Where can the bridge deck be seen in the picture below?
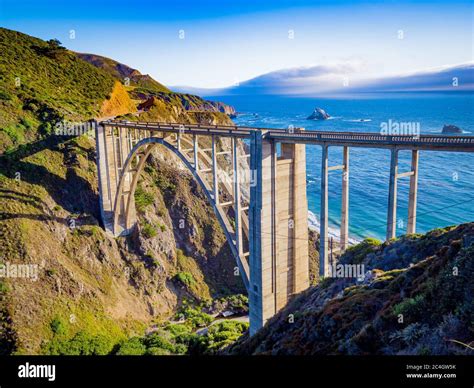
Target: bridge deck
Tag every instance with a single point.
(333, 138)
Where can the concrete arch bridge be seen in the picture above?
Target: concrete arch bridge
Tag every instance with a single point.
(255, 180)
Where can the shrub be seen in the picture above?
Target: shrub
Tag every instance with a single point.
(410, 307)
(185, 278)
(357, 253)
(132, 347)
(220, 335)
(58, 326)
(182, 334)
(195, 318)
(148, 230)
(82, 344)
(3, 288)
(156, 341)
(142, 199)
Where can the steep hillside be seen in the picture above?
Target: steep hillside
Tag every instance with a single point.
(150, 92)
(118, 103)
(42, 83)
(417, 297)
(121, 72)
(81, 291)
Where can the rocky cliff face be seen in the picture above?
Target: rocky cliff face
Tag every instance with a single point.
(417, 297)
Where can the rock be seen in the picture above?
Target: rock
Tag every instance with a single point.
(318, 114)
(451, 129)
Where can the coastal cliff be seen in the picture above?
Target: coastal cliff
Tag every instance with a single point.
(416, 298)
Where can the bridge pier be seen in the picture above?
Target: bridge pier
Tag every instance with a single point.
(324, 215)
(392, 194)
(196, 152)
(323, 218)
(237, 205)
(345, 201)
(215, 175)
(412, 199)
(278, 228)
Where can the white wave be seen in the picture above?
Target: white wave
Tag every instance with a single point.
(333, 232)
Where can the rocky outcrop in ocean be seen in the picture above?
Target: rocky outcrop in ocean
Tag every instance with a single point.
(318, 114)
(451, 129)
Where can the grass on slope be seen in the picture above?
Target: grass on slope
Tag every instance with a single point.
(121, 72)
(42, 83)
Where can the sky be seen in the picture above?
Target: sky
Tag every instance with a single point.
(212, 44)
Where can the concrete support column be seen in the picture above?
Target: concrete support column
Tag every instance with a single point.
(123, 151)
(323, 237)
(278, 228)
(255, 233)
(215, 176)
(102, 169)
(196, 152)
(411, 227)
(178, 141)
(102, 149)
(115, 160)
(345, 200)
(299, 217)
(237, 207)
(392, 196)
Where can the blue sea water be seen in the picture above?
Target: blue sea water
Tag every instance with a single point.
(446, 180)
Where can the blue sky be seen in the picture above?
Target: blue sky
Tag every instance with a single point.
(228, 42)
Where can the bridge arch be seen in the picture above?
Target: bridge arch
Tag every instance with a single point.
(124, 217)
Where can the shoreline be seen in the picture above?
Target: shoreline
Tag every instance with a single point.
(314, 224)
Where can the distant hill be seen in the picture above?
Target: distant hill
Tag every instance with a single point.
(121, 72)
(416, 298)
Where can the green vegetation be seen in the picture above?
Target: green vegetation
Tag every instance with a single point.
(358, 252)
(165, 185)
(84, 335)
(48, 87)
(132, 347)
(148, 230)
(3, 288)
(58, 326)
(185, 278)
(409, 307)
(194, 317)
(143, 199)
(220, 335)
(82, 344)
(141, 83)
(182, 338)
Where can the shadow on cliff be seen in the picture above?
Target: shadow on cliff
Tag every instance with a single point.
(73, 193)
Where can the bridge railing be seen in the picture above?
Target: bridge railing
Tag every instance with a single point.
(302, 135)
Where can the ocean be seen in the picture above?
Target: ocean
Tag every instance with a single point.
(446, 179)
